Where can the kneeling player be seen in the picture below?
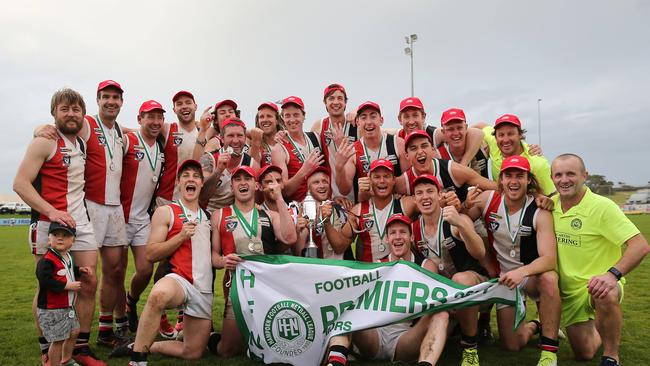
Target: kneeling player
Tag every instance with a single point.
(523, 238)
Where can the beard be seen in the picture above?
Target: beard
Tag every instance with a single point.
(65, 127)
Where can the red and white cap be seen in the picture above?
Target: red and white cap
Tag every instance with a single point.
(381, 163)
(187, 163)
(269, 105)
(150, 105)
(398, 217)
(452, 114)
(415, 134)
(293, 100)
(182, 93)
(368, 104)
(229, 102)
(508, 118)
(333, 87)
(267, 169)
(515, 162)
(411, 102)
(110, 83)
(319, 169)
(233, 121)
(426, 178)
(246, 169)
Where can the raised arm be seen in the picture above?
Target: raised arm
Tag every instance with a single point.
(464, 226)
(158, 247)
(345, 167)
(463, 174)
(473, 142)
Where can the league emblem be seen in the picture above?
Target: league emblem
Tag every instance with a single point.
(423, 248)
(66, 160)
(319, 229)
(139, 155)
(102, 140)
(231, 226)
(368, 224)
(494, 226)
(178, 141)
(576, 224)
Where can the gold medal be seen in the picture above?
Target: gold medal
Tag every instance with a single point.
(255, 245)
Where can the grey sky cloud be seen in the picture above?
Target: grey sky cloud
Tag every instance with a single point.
(587, 60)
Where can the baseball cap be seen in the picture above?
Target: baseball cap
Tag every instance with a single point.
(182, 93)
(319, 169)
(368, 104)
(293, 100)
(333, 87)
(54, 226)
(268, 104)
(233, 121)
(398, 218)
(415, 134)
(267, 169)
(426, 178)
(229, 102)
(451, 115)
(508, 118)
(149, 106)
(108, 83)
(412, 102)
(246, 169)
(381, 163)
(515, 162)
(189, 163)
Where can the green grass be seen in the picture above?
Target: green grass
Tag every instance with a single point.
(620, 196)
(18, 334)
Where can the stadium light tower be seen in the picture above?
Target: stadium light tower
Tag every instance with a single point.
(409, 52)
(539, 121)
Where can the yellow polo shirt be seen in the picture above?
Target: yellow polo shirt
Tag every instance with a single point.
(538, 164)
(589, 238)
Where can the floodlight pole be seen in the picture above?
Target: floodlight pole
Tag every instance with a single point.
(409, 52)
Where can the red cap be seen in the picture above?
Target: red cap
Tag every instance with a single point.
(333, 87)
(508, 118)
(319, 169)
(246, 169)
(516, 162)
(267, 169)
(381, 163)
(107, 83)
(149, 106)
(268, 104)
(233, 121)
(293, 100)
(414, 134)
(229, 102)
(411, 102)
(426, 178)
(398, 218)
(189, 162)
(182, 93)
(452, 114)
(368, 104)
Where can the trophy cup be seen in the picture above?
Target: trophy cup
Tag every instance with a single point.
(309, 209)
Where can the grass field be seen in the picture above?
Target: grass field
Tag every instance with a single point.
(18, 335)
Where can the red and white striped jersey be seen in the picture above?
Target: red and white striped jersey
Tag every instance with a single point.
(140, 171)
(192, 260)
(179, 146)
(103, 162)
(60, 181)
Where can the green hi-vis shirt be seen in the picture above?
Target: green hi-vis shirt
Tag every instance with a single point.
(538, 164)
(589, 238)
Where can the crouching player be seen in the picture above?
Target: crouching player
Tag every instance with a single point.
(402, 341)
(523, 239)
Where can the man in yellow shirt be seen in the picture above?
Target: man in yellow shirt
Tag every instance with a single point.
(506, 139)
(590, 230)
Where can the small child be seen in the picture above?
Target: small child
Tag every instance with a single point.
(56, 275)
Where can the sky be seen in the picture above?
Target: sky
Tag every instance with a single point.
(588, 61)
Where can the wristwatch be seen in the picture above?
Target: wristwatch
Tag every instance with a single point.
(202, 143)
(615, 272)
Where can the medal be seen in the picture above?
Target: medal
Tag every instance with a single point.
(112, 166)
(513, 253)
(154, 179)
(329, 247)
(152, 163)
(250, 229)
(104, 141)
(71, 314)
(255, 245)
(382, 247)
(441, 266)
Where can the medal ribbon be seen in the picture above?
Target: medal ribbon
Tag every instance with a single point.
(521, 217)
(146, 150)
(110, 152)
(200, 213)
(365, 149)
(249, 229)
(438, 235)
(374, 215)
(300, 156)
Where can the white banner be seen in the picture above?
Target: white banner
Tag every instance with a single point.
(288, 307)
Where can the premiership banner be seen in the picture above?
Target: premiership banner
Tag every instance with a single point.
(288, 307)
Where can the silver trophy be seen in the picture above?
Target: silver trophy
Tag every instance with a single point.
(309, 207)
